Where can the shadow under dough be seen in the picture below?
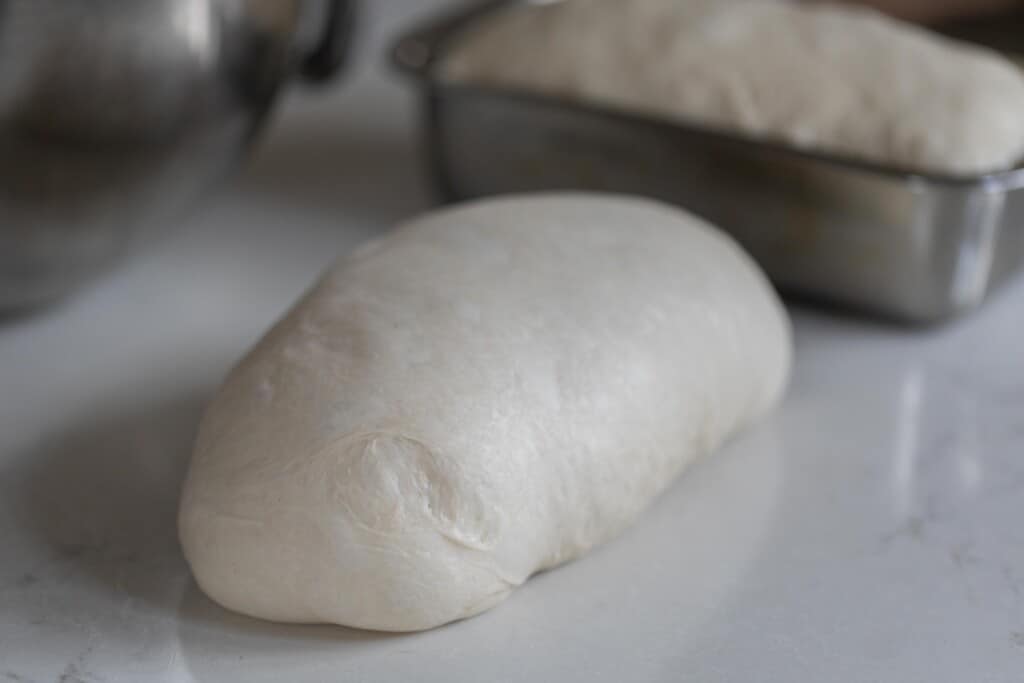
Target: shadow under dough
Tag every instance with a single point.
(222, 631)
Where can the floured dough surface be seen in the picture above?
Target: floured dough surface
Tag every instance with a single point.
(832, 78)
(489, 391)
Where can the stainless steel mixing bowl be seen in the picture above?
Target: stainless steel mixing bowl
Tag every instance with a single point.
(115, 115)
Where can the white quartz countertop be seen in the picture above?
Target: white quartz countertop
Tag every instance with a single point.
(872, 530)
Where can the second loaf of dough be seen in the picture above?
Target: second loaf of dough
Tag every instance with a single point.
(826, 77)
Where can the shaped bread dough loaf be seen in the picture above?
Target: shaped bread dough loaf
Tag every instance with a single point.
(841, 79)
(490, 391)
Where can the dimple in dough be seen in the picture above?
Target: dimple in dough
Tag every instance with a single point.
(834, 78)
(489, 391)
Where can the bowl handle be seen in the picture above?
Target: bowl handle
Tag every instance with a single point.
(332, 50)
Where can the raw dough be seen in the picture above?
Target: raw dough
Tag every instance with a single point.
(840, 79)
(490, 391)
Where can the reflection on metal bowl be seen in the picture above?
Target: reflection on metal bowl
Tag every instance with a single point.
(115, 115)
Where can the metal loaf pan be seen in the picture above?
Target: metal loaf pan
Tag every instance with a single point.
(910, 246)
